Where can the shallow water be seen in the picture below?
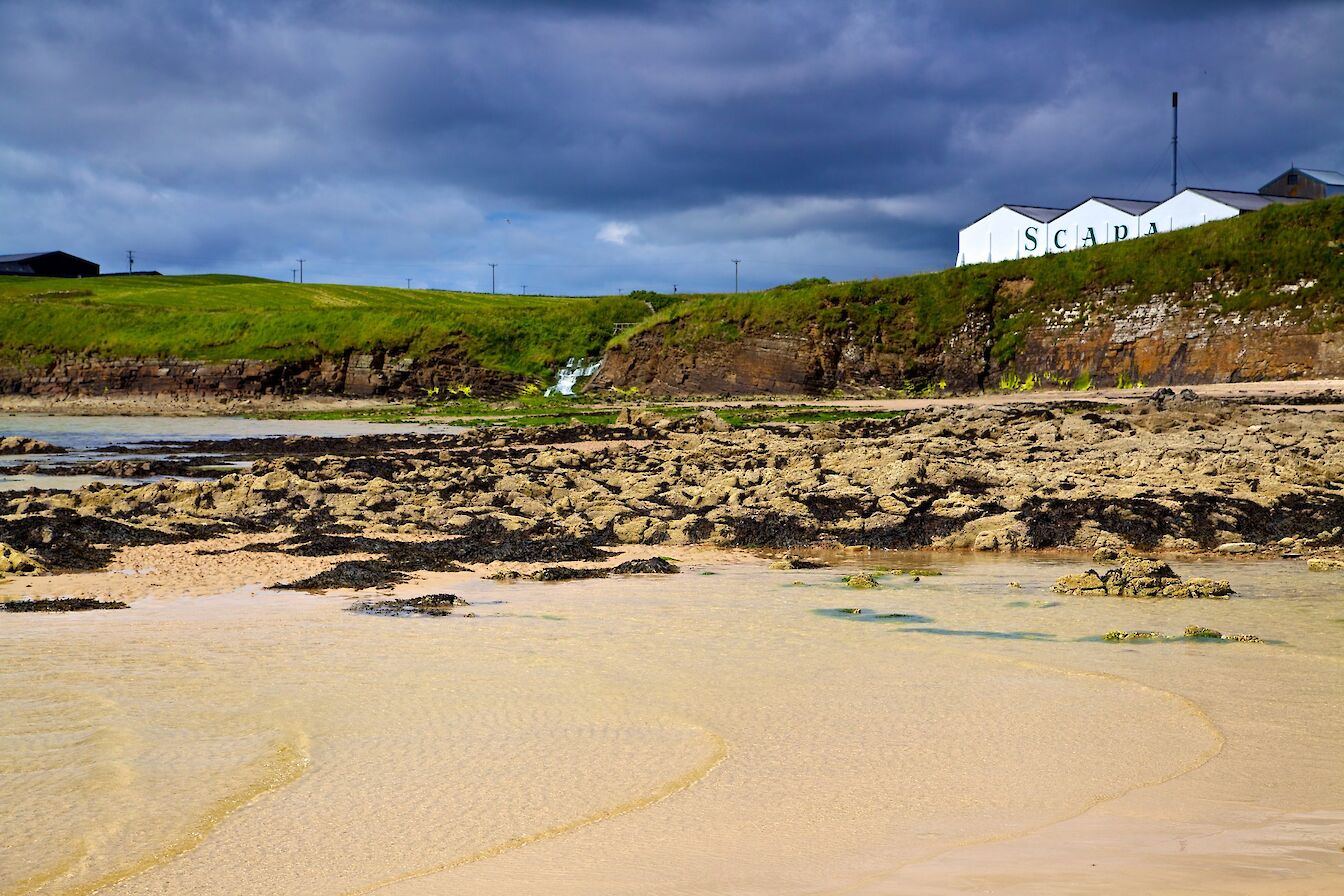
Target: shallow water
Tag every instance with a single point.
(684, 734)
(86, 438)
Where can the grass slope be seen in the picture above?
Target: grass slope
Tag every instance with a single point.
(218, 317)
(1248, 258)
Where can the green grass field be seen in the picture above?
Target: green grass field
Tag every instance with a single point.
(218, 317)
(1241, 264)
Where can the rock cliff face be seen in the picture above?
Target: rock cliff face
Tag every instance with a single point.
(1162, 341)
(352, 375)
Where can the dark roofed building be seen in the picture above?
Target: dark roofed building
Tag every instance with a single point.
(47, 264)
(1306, 183)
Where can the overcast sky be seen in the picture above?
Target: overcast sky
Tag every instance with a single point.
(605, 146)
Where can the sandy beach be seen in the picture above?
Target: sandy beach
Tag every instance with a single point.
(721, 730)
(749, 723)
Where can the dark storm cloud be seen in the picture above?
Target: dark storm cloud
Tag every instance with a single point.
(599, 145)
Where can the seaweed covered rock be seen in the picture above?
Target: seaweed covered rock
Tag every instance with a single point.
(793, 561)
(861, 580)
(425, 605)
(1140, 577)
(356, 575)
(1131, 636)
(568, 573)
(61, 605)
(650, 566)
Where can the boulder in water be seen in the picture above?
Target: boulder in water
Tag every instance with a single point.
(1140, 577)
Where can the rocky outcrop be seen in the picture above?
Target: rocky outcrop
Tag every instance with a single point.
(1161, 474)
(11, 445)
(352, 374)
(1140, 577)
(1165, 340)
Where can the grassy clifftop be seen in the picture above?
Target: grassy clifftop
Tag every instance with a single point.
(217, 317)
(1241, 264)
(1283, 257)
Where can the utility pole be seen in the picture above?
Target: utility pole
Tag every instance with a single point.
(493, 265)
(674, 289)
(130, 261)
(1174, 95)
(408, 282)
(301, 270)
(736, 262)
(293, 275)
(524, 289)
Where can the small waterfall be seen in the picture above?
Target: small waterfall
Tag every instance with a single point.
(574, 370)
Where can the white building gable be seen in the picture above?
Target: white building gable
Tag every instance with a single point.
(1010, 231)
(1194, 206)
(1099, 220)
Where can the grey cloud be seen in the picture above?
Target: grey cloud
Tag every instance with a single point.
(854, 135)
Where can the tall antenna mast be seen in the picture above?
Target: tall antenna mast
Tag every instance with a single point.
(1174, 138)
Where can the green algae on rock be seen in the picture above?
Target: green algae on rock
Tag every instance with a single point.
(1140, 577)
(14, 562)
(861, 580)
(1324, 564)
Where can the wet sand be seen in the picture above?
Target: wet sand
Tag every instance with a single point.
(695, 733)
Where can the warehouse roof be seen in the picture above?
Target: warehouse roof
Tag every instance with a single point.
(1037, 212)
(1246, 202)
(1128, 206)
(1324, 175)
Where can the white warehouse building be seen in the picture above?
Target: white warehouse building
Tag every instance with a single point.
(1194, 206)
(1023, 231)
(1010, 231)
(1099, 220)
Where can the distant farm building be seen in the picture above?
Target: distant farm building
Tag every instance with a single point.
(1023, 231)
(1306, 183)
(47, 264)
